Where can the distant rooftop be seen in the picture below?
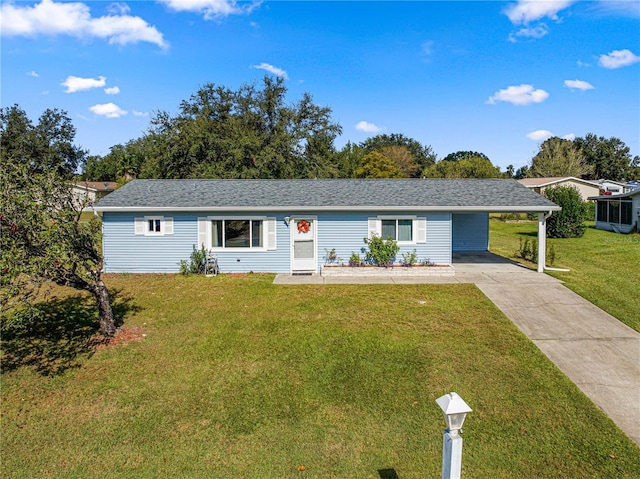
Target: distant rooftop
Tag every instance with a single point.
(532, 182)
(98, 185)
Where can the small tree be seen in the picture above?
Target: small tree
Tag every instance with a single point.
(42, 238)
(569, 222)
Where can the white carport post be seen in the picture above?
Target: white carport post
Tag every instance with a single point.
(542, 241)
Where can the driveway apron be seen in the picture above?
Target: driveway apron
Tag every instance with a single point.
(600, 354)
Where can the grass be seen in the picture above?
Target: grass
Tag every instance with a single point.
(238, 377)
(604, 265)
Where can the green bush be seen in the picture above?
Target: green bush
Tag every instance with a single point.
(409, 258)
(196, 263)
(331, 256)
(381, 252)
(355, 260)
(569, 222)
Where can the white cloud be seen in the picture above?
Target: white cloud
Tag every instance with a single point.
(74, 19)
(525, 11)
(629, 8)
(427, 47)
(578, 85)
(538, 31)
(118, 8)
(580, 63)
(75, 84)
(367, 127)
(211, 9)
(618, 59)
(519, 95)
(109, 110)
(271, 69)
(114, 90)
(539, 135)
(33, 74)
(569, 136)
(139, 113)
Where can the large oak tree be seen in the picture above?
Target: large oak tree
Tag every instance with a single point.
(251, 132)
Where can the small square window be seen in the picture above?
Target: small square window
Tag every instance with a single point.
(154, 226)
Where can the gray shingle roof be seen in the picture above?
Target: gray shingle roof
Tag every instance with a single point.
(327, 194)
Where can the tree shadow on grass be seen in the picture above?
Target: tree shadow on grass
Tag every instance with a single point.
(58, 334)
(388, 474)
(532, 234)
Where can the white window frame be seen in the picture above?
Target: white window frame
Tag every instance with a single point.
(207, 235)
(417, 225)
(142, 225)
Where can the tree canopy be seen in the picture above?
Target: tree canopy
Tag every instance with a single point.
(558, 157)
(43, 239)
(377, 165)
(408, 154)
(591, 158)
(471, 167)
(464, 155)
(44, 147)
(251, 132)
(608, 158)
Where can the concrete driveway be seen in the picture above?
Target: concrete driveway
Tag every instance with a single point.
(597, 352)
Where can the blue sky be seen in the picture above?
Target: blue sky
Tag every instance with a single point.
(497, 77)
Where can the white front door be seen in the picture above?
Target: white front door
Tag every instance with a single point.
(303, 244)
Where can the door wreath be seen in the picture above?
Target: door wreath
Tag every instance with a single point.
(303, 226)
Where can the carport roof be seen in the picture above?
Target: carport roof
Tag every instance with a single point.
(490, 195)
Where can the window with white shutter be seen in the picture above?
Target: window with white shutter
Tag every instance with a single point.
(153, 225)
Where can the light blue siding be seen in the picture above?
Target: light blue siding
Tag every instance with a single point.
(438, 246)
(126, 252)
(346, 232)
(470, 231)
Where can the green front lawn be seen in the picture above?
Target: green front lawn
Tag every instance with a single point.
(605, 266)
(238, 377)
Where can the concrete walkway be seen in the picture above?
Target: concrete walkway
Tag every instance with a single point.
(597, 352)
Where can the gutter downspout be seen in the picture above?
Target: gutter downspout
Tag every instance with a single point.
(542, 244)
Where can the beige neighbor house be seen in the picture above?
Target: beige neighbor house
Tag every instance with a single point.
(585, 187)
(88, 192)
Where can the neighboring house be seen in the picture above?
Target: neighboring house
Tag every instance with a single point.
(619, 213)
(633, 185)
(610, 187)
(88, 192)
(585, 187)
(287, 226)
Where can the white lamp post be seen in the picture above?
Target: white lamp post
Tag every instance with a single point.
(454, 410)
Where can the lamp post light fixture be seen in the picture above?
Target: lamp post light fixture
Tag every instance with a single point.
(454, 410)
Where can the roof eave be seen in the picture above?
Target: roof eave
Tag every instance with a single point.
(285, 209)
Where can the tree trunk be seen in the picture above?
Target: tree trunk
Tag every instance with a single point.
(107, 323)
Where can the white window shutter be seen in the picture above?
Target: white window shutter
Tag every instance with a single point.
(140, 226)
(202, 232)
(168, 225)
(271, 234)
(421, 230)
(373, 227)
